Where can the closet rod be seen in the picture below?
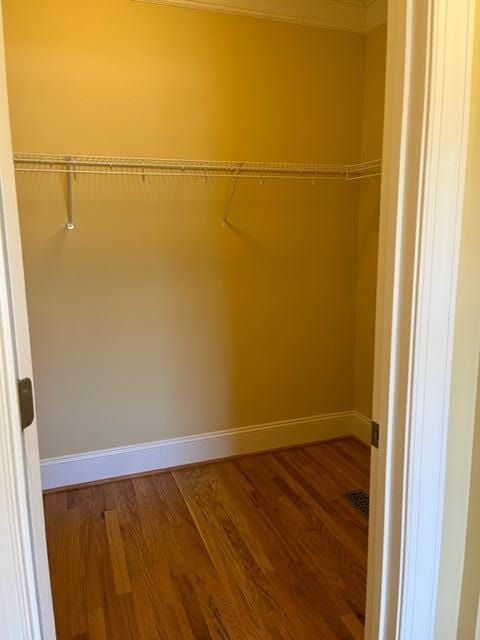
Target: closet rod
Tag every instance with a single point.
(143, 167)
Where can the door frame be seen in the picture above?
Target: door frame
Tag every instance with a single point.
(19, 610)
(25, 590)
(429, 58)
(428, 93)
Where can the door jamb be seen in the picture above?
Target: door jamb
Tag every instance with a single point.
(25, 589)
(429, 61)
(19, 607)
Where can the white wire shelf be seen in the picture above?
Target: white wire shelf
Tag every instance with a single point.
(364, 170)
(71, 166)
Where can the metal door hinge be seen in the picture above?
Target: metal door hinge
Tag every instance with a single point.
(375, 434)
(25, 398)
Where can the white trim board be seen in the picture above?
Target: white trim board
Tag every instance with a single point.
(120, 461)
(356, 16)
(429, 60)
(26, 608)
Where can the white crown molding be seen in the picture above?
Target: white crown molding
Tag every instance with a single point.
(357, 16)
(174, 452)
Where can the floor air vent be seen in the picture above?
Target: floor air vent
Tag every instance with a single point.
(360, 500)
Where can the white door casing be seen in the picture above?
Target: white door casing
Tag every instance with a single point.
(429, 60)
(19, 455)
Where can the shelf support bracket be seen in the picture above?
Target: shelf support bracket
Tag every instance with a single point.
(70, 221)
(231, 195)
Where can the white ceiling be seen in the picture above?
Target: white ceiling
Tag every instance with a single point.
(359, 16)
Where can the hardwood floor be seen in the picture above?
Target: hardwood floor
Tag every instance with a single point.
(262, 547)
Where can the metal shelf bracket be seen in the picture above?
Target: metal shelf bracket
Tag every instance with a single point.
(231, 195)
(69, 175)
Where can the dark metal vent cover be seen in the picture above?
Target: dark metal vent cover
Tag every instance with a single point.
(360, 500)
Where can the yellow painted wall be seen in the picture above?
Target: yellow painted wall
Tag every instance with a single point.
(368, 223)
(123, 78)
(459, 587)
(151, 320)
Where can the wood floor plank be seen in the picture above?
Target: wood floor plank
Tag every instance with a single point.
(355, 627)
(121, 578)
(96, 625)
(264, 547)
(357, 452)
(55, 506)
(187, 593)
(350, 475)
(77, 578)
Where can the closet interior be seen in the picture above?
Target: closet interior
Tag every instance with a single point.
(199, 197)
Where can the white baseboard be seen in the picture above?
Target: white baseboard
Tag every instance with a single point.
(361, 427)
(121, 461)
